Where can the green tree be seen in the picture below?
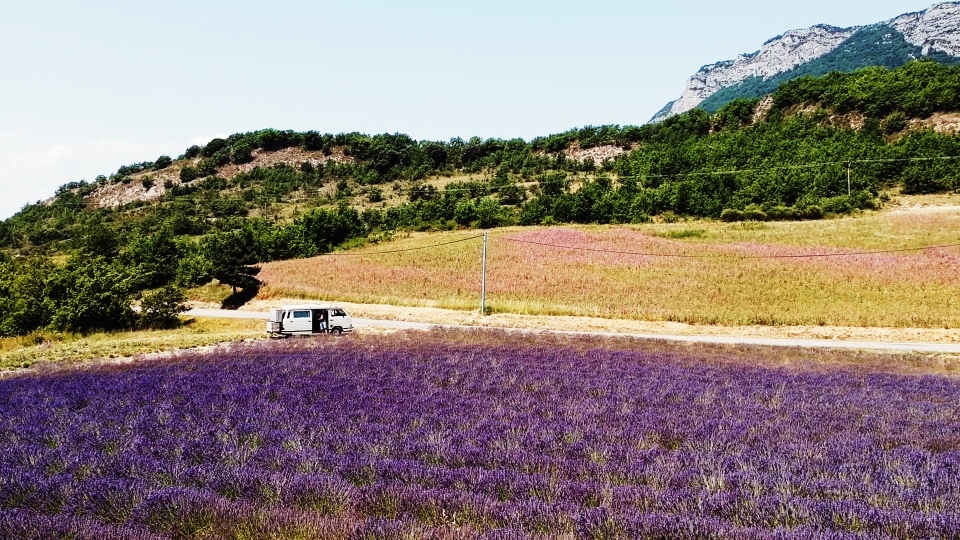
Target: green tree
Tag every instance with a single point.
(488, 214)
(98, 240)
(154, 258)
(160, 309)
(232, 255)
(92, 294)
(162, 162)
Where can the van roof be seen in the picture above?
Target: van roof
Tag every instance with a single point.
(310, 306)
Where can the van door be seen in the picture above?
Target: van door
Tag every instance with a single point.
(320, 319)
(298, 321)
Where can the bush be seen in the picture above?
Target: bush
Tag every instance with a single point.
(841, 204)
(159, 309)
(189, 174)
(670, 217)
(241, 152)
(731, 215)
(162, 162)
(754, 213)
(812, 212)
(213, 147)
(512, 194)
(488, 214)
(895, 123)
(192, 152)
(782, 213)
(465, 213)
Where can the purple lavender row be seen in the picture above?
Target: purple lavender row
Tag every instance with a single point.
(447, 440)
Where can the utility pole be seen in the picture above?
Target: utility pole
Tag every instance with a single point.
(483, 278)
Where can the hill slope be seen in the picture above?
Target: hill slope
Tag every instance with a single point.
(792, 152)
(817, 146)
(932, 34)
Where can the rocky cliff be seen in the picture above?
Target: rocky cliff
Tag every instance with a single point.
(933, 33)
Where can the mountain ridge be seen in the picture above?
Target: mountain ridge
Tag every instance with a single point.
(820, 49)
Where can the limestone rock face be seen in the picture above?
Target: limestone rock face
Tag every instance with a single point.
(777, 56)
(936, 29)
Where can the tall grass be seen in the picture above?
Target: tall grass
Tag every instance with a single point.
(911, 289)
(24, 352)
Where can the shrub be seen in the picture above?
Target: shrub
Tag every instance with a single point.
(782, 213)
(512, 194)
(731, 214)
(841, 204)
(213, 147)
(754, 213)
(670, 217)
(241, 152)
(312, 141)
(192, 152)
(640, 217)
(488, 214)
(895, 123)
(812, 212)
(189, 174)
(92, 294)
(162, 162)
(465, 212)
(343, 189)
(160, 308)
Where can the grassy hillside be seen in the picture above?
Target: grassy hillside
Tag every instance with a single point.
(817, 147)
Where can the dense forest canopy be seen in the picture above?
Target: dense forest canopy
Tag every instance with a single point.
(786, 157)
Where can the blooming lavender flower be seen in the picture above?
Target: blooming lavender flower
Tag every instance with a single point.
(460, 437)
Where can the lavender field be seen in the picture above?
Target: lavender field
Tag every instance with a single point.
(463, 435)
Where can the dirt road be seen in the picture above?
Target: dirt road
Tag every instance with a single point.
(361, 324)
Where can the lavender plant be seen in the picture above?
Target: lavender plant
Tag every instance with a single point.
(445, 438)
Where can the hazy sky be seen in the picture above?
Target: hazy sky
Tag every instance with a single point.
(88, 86)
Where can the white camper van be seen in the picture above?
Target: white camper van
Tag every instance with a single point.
(309, 319)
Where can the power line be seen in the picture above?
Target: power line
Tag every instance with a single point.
(736, 257)
(345, 254)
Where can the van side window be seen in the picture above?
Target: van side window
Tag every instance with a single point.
(339, 313)
(301, 314)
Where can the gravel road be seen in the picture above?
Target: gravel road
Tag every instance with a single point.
(730, 340)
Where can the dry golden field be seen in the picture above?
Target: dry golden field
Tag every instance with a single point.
(723, 286)
(24, 352)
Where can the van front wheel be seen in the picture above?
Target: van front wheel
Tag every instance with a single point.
(337, 331)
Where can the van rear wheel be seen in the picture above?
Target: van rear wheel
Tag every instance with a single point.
(337, 331)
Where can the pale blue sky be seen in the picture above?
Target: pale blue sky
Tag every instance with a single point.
(88, 86)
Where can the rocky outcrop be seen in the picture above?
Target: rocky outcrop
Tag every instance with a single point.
(778, 55)
(934, 30)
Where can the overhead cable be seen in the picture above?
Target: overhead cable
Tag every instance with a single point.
(346, 254)
(738, 257)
